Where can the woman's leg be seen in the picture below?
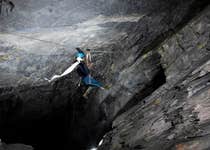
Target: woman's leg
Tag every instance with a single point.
(89, 81)
(85, 95)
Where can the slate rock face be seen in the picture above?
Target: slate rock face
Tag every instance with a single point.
(176, 115)
(148, 53)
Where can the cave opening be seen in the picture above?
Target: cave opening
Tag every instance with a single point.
(79, 125)
(87, 123)
(48, 132)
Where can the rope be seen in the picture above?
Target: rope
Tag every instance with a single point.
(49, 42)
(32, 38)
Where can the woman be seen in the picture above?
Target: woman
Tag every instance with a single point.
(83, 71)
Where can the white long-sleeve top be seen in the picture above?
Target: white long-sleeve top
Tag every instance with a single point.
(67, 71)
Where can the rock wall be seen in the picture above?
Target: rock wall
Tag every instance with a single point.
(176, 115)
(147, 53)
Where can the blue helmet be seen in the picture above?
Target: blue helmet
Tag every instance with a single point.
(80, 55)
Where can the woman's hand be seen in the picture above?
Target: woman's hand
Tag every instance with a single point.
(53, 78)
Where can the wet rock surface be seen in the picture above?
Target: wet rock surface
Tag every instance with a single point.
(153, 57)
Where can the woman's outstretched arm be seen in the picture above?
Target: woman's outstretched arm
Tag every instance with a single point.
(67, 71)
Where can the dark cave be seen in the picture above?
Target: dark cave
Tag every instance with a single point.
(62, 128)
(45, 133)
